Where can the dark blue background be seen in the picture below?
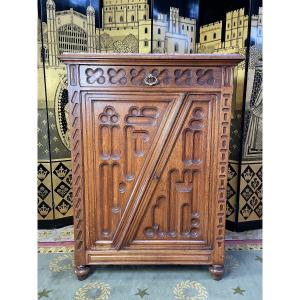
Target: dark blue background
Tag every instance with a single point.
(204, 11)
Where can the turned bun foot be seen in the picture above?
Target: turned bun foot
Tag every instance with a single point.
(82, 272)
(216, 271)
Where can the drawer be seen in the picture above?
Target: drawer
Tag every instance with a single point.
(149, 76)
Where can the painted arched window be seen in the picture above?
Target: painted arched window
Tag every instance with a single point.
(110, 19)
(121, 19)
(215, 35)
(146, 43)
(158, 44)
(145, 17)
(67, 35)
(132, 18)
(146, 29)
(205, 38)
(176, 47)
(158, 31)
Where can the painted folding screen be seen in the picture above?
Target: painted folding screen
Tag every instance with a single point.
(169, 26)
(63, 26)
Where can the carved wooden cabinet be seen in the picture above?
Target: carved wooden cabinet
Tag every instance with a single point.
(150, 138)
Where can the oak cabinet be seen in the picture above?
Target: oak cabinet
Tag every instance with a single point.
(150, 138)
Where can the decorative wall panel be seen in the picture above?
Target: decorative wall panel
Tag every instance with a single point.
(44, 180)
(72, 26)
(250, 196)
(236, 27)
(232, 190)
(175, 26)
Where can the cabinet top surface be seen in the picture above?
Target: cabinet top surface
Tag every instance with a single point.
(135, 58)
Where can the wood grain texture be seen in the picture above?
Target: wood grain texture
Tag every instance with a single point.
(150, 137)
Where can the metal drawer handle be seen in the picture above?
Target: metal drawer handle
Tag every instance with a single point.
(150, 80)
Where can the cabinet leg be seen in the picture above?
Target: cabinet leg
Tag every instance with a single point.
(216, 271)
(82, 271)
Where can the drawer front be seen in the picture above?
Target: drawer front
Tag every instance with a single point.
(146, 169)
(148, 76)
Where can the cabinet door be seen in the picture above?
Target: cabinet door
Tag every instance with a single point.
(146, 169)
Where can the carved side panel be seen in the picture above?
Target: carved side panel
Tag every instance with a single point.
(77, 177)
(225, 110)
(73, 74)
(227, 76)
(178, 208)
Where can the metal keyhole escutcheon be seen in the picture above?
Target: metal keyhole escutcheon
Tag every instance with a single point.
(150, 80)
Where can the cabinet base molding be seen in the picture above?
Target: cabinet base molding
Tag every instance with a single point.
(158, 257)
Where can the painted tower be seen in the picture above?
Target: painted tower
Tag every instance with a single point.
(236, 29)
(174, 20)
(126, 26)
(91, 29)
(210, 37)
(174, 34)
(124, 13)
(256, 29)
(52, 34)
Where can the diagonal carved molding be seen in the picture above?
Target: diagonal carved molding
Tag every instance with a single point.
(132, 211)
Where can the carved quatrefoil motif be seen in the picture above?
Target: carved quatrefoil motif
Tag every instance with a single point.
(117, 76)
(95, 76)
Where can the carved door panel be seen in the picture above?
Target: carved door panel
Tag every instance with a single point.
(122, 134)
(178, 209)
(145, 169)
